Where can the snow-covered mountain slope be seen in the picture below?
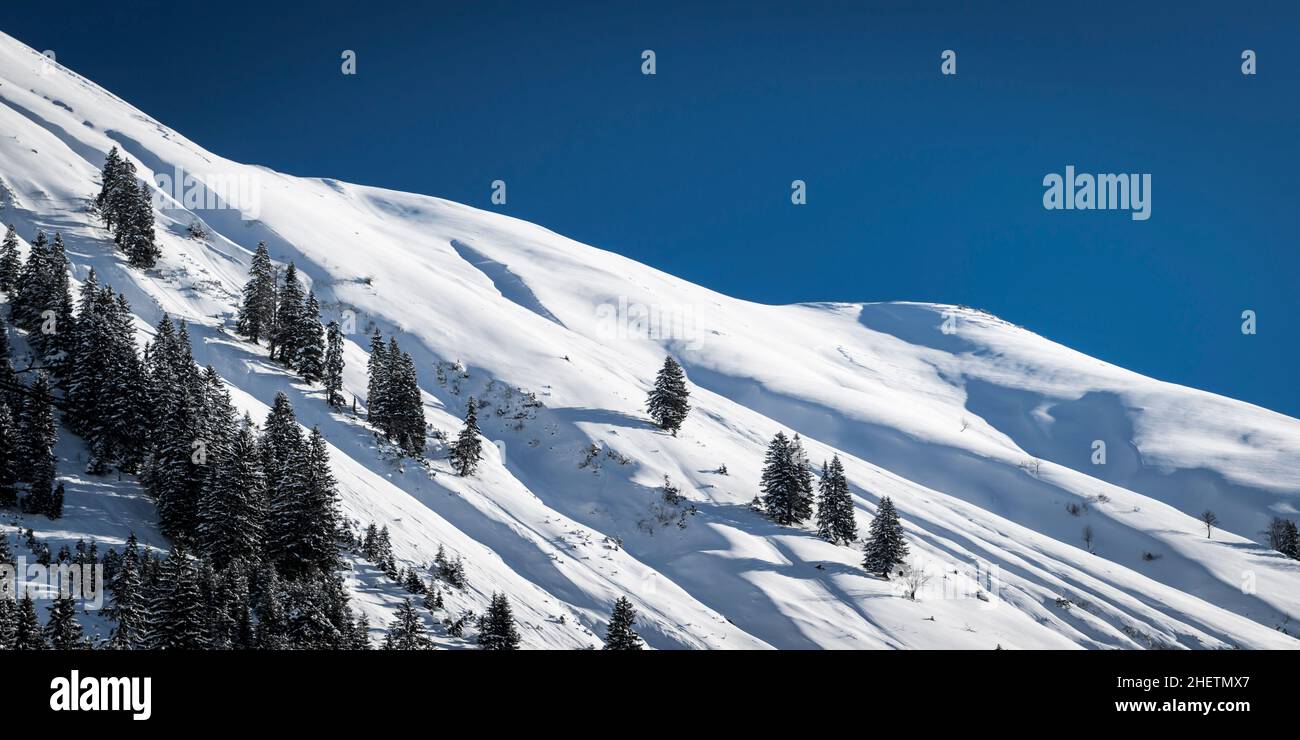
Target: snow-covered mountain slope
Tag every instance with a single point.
(981, 432)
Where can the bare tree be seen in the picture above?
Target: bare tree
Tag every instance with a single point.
(1210, 519)
(912, 579)
(1088, 537)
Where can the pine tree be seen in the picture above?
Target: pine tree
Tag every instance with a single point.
(835, 520)
(406, 631)
(257, 310)
(621, 634)
(406, 405)
(111, 178)
(232, 506)
(127, 608)
(55, 510)
(8, 622)
(310, 361)
(333, 370)
(886, 546)
(36, 445)
(272, 621)
(290, 318)
(668, 402)
(468, 448)
(377, 385)
(496, 629)
(360, 634)
(135, 232)
(183, 617)
(787, 494)
(28, 635)
(320, 525)
(10, 264)
(9, 451)
(62, 630)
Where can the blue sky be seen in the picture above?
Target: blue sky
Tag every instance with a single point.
(920, 186)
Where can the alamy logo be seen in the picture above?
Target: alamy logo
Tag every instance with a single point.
(95, 694)
(1085, 192)
(212, 191)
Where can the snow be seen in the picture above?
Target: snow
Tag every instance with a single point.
(946, 424)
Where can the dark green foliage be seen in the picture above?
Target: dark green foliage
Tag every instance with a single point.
(496, 628)
(835, 520)
(668, 402)
(621, 632)
(468, 447)
(886, 546)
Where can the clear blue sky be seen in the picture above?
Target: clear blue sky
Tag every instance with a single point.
(921, 187)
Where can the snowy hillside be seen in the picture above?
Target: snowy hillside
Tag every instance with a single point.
(982, 433)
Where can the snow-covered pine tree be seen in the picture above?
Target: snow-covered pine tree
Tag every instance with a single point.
(621, 632)
(468, 448)
(257, 307)
(782, 483)
(55, 510)
(668, 402)
(406, 631)
(135, 231)
(36, 445)
(886, 546)
(62, 631)
(360, 634)
(8, 621)
(30, 295)
(183, 622)
(290, 318)
(333, 370)
(320, 526)
(127, 608)
(111, 177)
(406, 418)
(804, 475)
(10, 264)
(835, 520)
(496, 628)
(8, 458)
(29, 635)
(310, 362)
(232, 505)
(378, 383)
(269, 606)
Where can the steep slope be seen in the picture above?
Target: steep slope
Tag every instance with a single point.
(981, 432)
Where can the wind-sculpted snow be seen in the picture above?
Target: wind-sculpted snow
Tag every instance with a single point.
(982, 433)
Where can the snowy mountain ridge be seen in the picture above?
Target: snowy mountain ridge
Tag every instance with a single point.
(982, 433)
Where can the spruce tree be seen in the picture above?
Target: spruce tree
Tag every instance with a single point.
(29, 635)
(36, 444)
(668, 401)
(272, 622)
(62, 630)
(183, 618)
(257, 309)
(8, 622)
(135, 232)
(468, 448)
(786, 490)
(406, 631)
(333, 369)
(377, 385)
(621, 632)
(835, 520)
(310, 362)
(232, 506)
(886, 546)
(496, 628)
(290, 318)
(320, 525)
(10, 264)
(9, 451)
(127, 608)
(406, 405)
(110, 180)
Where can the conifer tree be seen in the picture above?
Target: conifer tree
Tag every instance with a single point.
(135, 231)
(8, 457)
(320, 525)
(36, 445)
(468, 448)
(29, 635)
(406, 406)
(360, 634)
(62, 630)
(183, 617)
(406, 631)
(8, 622)
(333, 369)
(886, 546)
(257, 309)
(272, 622)
(10, 264)
(668, 402)
(111, 178)
(310, 362)
(621, 632)
(377, 385)
(127, 608)
(835, 520)
(290, 318)
(496, 628)
(232, 506)
(787, 495)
